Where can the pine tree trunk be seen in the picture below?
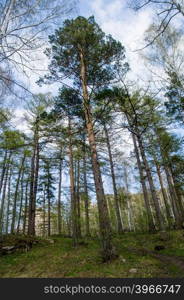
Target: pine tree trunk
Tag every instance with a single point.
(33, 181)
(174, 200)
(151, 184)
(129, 201)
(21, 202)
(180, 204)
(44, 213)
(25, 207)
(3, 199)
(8, 204)
(108, 251)
(78, 199)
(31, 211)
(116, 199)
(151, 225)
(59, 195)
(16, 195)
(37, 166)
(86, 199)
(172, 191)
(3, 169)
(48, 199)
(167, 205)
(72, 189)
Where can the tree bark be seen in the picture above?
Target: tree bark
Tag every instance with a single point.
(44, 213)
(174, 200)
(151, 184)
(151, 225)
(3, 198)
(48, 199)
(116, 198)
(86, 199)
(129, 201)
(25, 207)
(172, 191)
(78, 199)
(59, 194)
(8, 204)
(167, 205)
(72, 189)
(34, 181)
(16, 194)
(108, 251)
(21, 202)
(180, 204)
(31, 212)
(3, 169)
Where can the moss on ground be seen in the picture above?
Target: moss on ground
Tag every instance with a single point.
(61, 260)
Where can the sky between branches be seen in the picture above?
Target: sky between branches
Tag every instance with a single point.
(115, 18)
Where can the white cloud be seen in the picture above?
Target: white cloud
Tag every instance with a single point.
(104, 9)
(115, 18)
(19, 121)
(123, 24)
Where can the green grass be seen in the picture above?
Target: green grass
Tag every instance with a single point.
(62, 260)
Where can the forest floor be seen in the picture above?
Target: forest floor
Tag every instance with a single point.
(137, 258)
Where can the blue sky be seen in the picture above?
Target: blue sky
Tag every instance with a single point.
(115, 18)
